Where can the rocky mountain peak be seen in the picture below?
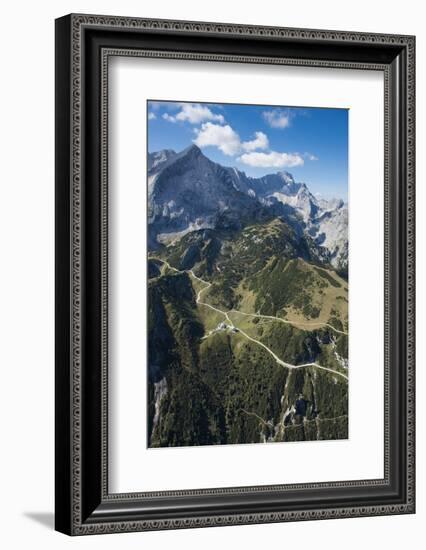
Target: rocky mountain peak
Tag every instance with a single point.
(158, 159)
(286, 177)
(187, 192)
(193, 150)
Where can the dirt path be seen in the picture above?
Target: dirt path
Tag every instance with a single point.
(240, 331)
(281, 320)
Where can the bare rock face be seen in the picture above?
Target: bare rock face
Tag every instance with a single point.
(188, 192)
(330, 230)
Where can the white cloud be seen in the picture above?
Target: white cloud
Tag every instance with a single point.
(277, 118)
(222, 137)
(260, 142)
(152, 116)
(194, 113)
(168, 117)
(273, 159)
(227, 140)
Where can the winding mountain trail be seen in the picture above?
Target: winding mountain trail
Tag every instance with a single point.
(297, 325)
(239, 330)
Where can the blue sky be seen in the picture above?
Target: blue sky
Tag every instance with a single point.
(309, 142)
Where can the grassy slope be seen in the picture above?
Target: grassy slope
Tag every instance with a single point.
(300, 292)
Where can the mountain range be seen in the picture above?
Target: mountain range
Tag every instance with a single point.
(188, 192)
(247, 306)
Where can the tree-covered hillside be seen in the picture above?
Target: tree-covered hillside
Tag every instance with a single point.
(247, 340)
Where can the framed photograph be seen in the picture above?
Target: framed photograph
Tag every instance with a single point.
(234, 274)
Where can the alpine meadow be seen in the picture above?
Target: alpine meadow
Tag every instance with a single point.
(247, 274)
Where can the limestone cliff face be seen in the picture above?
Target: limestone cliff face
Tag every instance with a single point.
(188, 192)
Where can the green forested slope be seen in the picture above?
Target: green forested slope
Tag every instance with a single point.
(209, 383)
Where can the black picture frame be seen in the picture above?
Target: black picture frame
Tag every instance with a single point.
(83, 44)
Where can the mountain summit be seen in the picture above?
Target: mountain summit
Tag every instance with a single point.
(188, 192)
